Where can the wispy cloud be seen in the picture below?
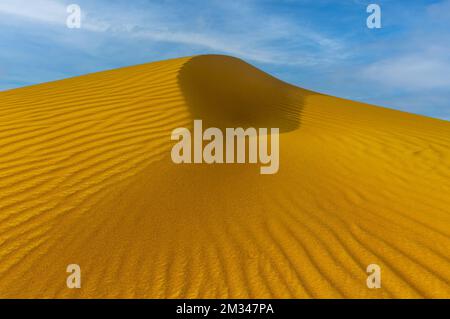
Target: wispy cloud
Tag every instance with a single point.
(322, 45)
(45, 11)
(245, 31)
(412, 72)
(421, 59)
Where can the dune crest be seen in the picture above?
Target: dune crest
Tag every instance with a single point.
(227, 92)
(87, 179)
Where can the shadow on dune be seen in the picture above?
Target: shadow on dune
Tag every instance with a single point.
(227, 92)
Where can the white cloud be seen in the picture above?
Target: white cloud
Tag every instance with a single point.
(420, 71)
(244, 31)
(420, 60)
(47, 11)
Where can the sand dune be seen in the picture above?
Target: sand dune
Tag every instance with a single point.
(86, 177)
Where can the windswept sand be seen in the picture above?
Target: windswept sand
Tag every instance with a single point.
(86, 177)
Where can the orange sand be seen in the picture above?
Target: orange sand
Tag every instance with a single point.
(86, 178)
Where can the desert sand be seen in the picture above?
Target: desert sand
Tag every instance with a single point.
(86, 178)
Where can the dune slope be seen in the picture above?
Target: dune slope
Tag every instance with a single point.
(86, 178)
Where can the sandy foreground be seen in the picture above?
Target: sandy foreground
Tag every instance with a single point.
(86, 178)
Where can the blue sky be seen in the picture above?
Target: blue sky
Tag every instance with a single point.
(321, 45)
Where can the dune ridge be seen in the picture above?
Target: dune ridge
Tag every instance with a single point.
(86, 178)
